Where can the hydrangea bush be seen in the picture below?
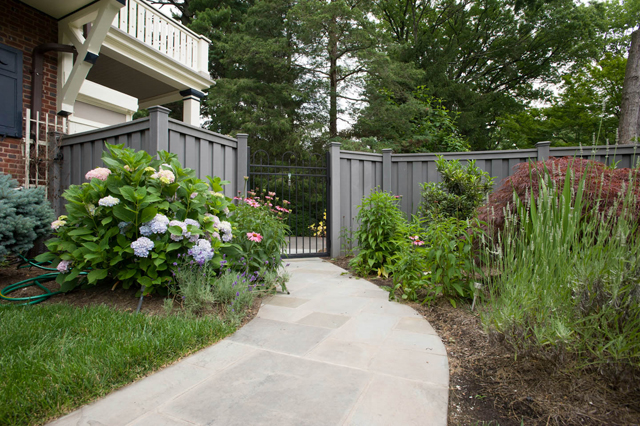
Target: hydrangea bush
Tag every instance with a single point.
(132, 220)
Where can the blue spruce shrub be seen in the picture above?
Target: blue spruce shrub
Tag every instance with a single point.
(25, 216)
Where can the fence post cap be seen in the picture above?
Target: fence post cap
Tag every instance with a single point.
(159, 108)
(544, 143)
(385, 150)
(336, 144)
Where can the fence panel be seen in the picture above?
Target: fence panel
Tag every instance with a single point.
(208, 153)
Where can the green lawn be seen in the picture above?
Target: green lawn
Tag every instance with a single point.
(54, 358)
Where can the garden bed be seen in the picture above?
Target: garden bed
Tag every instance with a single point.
(489, 385)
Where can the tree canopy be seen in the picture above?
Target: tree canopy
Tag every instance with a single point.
(413, 75)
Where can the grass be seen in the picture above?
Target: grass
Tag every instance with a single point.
(55, 358)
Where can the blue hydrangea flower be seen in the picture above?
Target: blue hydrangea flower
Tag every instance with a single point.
(201, 252)
(142, 246)
(159, 224)
(146, 230)
(123, 227)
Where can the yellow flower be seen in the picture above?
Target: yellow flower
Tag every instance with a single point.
(149, 169)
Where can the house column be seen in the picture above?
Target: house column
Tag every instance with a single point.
(191, 99)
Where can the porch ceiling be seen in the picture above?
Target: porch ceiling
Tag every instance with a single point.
(121, 77)
(58, 8)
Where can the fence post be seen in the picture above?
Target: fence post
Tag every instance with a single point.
(55, 178)
(158, 130)
(242, 155)
(334, 198)
(543, 150)
(386, 169)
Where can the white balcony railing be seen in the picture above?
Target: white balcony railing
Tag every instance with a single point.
(165, 34)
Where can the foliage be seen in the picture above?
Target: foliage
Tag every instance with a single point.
(419, 123)
(585, 112)
(603, 187)
(565, 286)
(25, 215)
(133, 219)
(201, 288)
(436, 261)
(483, 58)
(460, 193)
(92, 350)
(261, 214)
(450, 258)
(380, 221)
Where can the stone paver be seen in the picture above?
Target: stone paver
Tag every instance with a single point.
(333, 352)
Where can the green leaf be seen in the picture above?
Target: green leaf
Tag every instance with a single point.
(80, 231)
(148, 214)
(128, 193)
(124, 214)
(107, 220)
(97, 274)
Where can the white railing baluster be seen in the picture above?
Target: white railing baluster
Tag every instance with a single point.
(152, 27)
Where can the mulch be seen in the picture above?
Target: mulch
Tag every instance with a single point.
(115, 297)
(490, 385)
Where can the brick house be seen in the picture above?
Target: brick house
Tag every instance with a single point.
(79, 65)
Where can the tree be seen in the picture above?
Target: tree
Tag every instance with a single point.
(586, 110)
(334, 38)
(629, 127)
(489, 57)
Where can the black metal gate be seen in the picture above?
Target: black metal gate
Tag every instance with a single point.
(301, 185)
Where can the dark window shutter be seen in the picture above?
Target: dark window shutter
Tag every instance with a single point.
(10, 92)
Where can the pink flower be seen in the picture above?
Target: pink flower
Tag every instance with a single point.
(254, 236)
(194, 195)
(268, 198)
(285, 202)
(418, 243)
(416, 238)
(273, 194)
(101, 173)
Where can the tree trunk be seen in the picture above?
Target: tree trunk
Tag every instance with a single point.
(629, 127)
(333, 81)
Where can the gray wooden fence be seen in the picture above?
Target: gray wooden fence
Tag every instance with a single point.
(357, 173)
(208, 153)
(352, 174)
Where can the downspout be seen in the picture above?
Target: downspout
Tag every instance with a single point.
(37, 71)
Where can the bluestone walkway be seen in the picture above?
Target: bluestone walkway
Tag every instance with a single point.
(334, 352)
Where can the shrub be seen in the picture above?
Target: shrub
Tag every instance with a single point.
(25, 216)
(602, 187)
(461, 192)
(261, 229)
(380, 221)
(565, 285)
(130, 222)
(437, 261)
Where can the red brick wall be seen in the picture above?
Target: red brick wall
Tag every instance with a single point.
(24, 28)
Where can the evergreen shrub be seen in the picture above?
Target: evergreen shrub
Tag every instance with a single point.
(25, 215)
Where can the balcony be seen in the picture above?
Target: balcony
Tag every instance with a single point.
(150, 26)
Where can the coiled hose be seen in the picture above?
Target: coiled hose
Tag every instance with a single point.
(37, 281)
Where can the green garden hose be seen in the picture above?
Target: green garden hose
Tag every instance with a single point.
(32, 300)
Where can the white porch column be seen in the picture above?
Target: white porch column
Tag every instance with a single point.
(191, 106)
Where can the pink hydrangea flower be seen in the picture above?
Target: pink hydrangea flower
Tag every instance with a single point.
(254, 236)
(101, 173)
(63, 266)
(164, 176)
